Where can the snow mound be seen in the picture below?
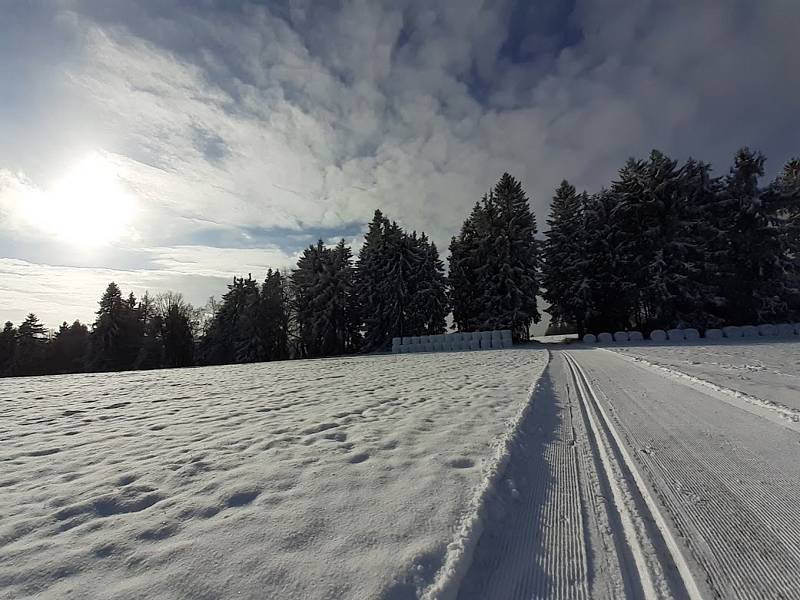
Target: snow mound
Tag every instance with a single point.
(658, 335)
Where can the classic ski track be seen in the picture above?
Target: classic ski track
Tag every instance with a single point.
(694, 470)
(644, 551)
(537, 548)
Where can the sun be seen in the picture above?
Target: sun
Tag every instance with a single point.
(88, 206)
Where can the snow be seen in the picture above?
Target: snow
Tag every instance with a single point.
(342, 478)
(768, 370)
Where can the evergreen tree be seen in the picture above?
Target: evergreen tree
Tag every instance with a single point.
(755, 266)
(8, 349)
(561, 273)
(31, 347)
(782, 199)
(497, 255)
(326, 305)
(274, 317)
(606, 308)
(68, 348)
(117, 334)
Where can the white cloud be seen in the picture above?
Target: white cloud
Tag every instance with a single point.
(314, 117)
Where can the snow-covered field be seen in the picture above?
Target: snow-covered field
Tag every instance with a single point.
(768, 370)
(344, 478)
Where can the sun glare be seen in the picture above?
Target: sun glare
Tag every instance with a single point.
(88, 206)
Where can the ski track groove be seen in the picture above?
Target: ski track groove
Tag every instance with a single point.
(536, 550)
(728, 515)
(634, 503)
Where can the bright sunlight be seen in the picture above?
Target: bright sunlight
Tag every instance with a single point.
(87, 207)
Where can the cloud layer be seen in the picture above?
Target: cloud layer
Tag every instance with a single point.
(297, 119)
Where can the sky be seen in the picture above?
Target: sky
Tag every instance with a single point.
(170, 144)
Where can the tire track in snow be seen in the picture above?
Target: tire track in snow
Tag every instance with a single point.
(634, 505)
(737, 512)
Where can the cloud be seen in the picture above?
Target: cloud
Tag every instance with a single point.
(57, 293)
(297, 116)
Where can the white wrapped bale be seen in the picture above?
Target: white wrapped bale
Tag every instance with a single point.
(658, 335)
(406, 341)
(397, 341)
(675, 335)
(620, 336)
(635, 336)
(604, 338)
(691, 334)
(767, 330)
(466, 336)
(396, 349)
(713, 334)
(797, 328)
(749, 331)
(475, 344)
(732, 331)
(506, 334)
(590, 338)
(785, 329)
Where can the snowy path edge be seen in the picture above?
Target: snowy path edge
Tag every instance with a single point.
(778, 413)
(460, 551)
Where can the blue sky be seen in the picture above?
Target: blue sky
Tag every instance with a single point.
(221, 137)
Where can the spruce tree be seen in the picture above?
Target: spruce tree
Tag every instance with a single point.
(497, 256)
(69, 348)
(782, 199)
(29, 358)
(561, 273)
(755, 269)
(8, 349)
(274, 316)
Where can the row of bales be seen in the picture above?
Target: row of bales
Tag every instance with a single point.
(690, 334)
(452, 342)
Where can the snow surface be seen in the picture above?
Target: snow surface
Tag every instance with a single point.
(341, 478)
(767, 370)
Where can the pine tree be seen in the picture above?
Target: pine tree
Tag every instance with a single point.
(755, 265)
(68, 349)
(115, 339)
(494, 263)
(274, 317)
(371, 287)
(326, 305)
(607, 309)
(31, 348)
(561, 273)
(8, 349)
(782, 199)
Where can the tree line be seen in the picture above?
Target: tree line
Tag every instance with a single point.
(665, 245)
(669, 245)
